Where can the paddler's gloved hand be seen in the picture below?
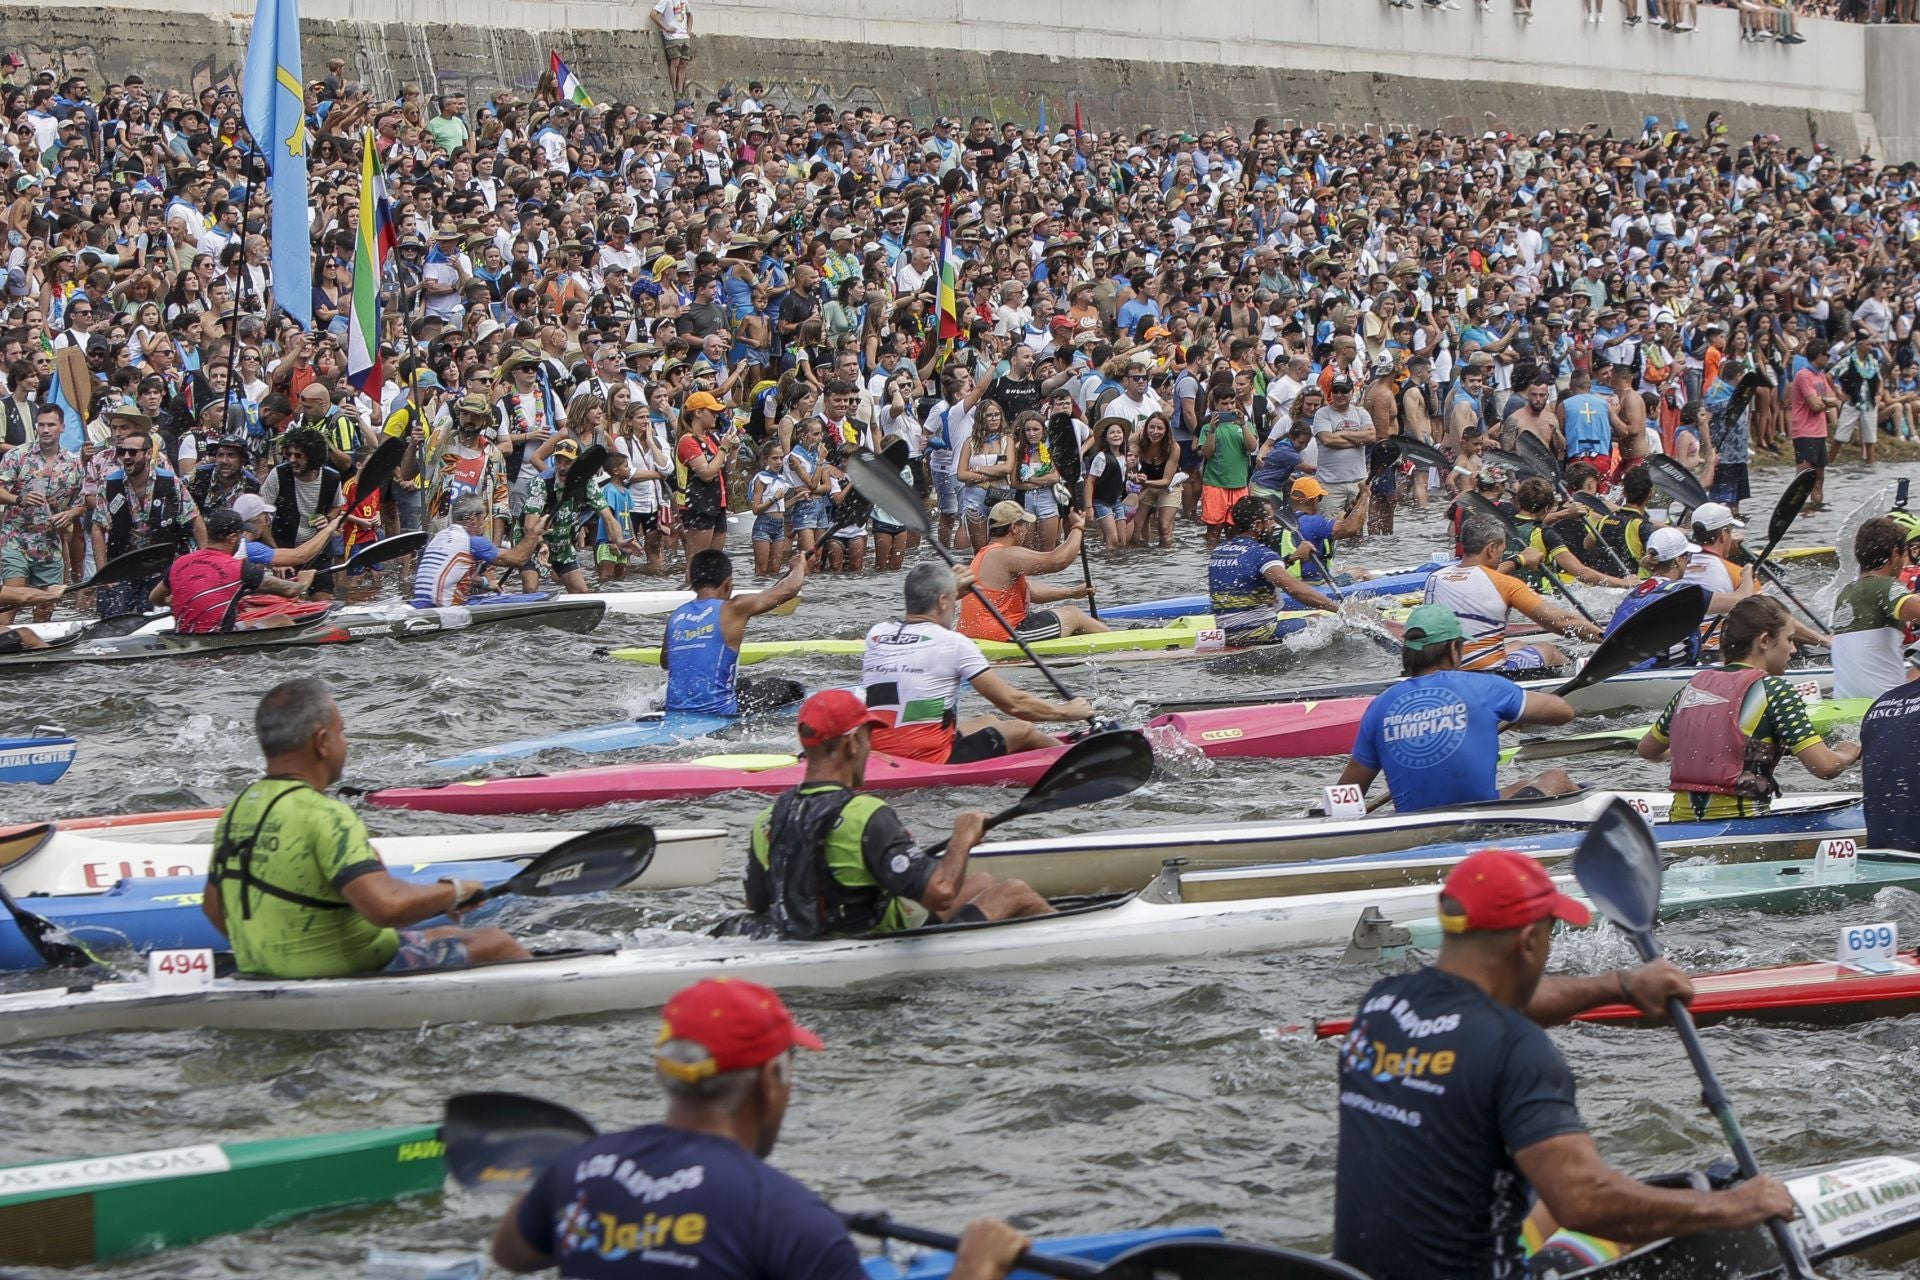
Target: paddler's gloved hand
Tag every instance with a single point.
(1649, 987)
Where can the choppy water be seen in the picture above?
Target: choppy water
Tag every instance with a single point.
(1076, 1099)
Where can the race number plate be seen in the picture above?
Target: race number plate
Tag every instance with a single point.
(1809, 690)
(1345, 801)
(172, 972)
(1836, 856)
(1210, 640)
(1869, 945)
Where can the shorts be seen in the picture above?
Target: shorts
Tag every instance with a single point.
(607, 553)
(1523, 658)
(1190, 459)
(50, 572)
(1101, 511)
(1730, 483)
(1041, 504)
(973, 502)
(1039, 624)
(769, 528)
(1216, 504)
(701, 521)
(678, 50)
(814, 513)
(646, 521)
(1342, 494)
(1600, 462)
(1857, 421)
(1159, 499)
(1813, 452)
(946, 492)
(408, 507)
(981, 744)
(419, 952)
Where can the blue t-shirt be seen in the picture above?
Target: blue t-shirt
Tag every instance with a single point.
(700, 666)
(1438, 737)
(656, 1203)
(256, 552)
(1589, 426)
(1237, 585)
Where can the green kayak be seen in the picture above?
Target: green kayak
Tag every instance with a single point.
(66, 1212)
(1827, 715)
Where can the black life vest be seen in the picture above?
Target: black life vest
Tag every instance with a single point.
(163, 513)
(804, 898)
(286, 509)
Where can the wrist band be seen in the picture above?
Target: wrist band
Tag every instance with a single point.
(1626, 992)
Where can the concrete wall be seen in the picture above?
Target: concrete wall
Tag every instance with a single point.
(1124, 63)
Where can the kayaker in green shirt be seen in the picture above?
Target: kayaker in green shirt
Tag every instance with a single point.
(1227, 442)
(826, 861)
(295, 885)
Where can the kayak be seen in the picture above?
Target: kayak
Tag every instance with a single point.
(1628, 692)
(60, 1213)
(50, 858)
(41, 759)
(914, 1263)
(1196, 634)
(163, 913)
(649, 729)
(1827, 714)
(1393, 583)
(1327, 853)
(1288, 730)
(394, 621)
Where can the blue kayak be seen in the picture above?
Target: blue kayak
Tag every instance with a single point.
(1097, 1249)
(651, 729)
(1388, 584)
(40, 760)
(163, 912)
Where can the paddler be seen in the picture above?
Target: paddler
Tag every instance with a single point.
(1664, 558)
(694, 1192)
(701, 652)
(567, 509)
(1534, 517)
(1481, 596)
(1247, 580)
(456, 558)
(1717, 541)
(1729, 727)
(206, 587)
(1003, 570)
(1437, 733)
(293, 881)
(1872, 613)
(826, 861)
(1888, 775)
(1628, 526)
(1456, 1109)
(1311, 554)
(912, 673)
(14, 639)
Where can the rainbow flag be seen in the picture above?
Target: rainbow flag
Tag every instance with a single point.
(568, 83)
(949, 295)
(370, 252)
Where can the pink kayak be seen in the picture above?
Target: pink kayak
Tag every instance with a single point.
(1279, 730)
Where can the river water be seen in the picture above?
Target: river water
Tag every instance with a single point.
(1074, 1099)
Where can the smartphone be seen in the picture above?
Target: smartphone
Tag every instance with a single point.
(1900, 494)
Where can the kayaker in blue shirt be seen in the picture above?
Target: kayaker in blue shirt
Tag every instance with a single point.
(701, 652)
(693, 1194)
(1665, 559)
(1437, 733)
(1245, 577)
(1311, 555)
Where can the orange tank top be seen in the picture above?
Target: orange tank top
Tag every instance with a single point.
(1011, 601)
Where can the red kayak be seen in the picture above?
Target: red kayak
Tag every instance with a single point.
(1824, 992)
(1284, 730)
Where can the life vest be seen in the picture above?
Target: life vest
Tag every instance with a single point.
(1684, 654)
(806, 899)
(1011, 601)
(206, 586)
(1910, 579)
(1314, 567)
(163, 511)
(1711, 753)
(233, 860)
(286, 511)
(1533, 538)
(1625, 531)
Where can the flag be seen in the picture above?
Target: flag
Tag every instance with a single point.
(274, 102)
(74, 433)
(1042, 129)
(568, 83)
(370, 250)
(948, 295)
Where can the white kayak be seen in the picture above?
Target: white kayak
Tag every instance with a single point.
(45, 858)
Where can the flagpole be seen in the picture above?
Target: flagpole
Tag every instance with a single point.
(240, 303)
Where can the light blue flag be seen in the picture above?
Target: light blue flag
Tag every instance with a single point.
(274, 99)
(74, 433)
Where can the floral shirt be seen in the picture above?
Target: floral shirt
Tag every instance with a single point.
(25, 472)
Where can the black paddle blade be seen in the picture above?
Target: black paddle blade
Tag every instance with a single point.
(501, 1141)
(1479, 506)
(1618, 867)
(46, 937)
(1523, 467)
(1654, 630)
(1539, 457)
(1098, 767)
(400, 544)
(1787, 510)
(585, 467)
(1593, 503)
(1426, 455)
(380, 466)
(882, 486)
(1223, 1260)
(591, 862)
(1674, 480)
(1063, 444)
(143, 563)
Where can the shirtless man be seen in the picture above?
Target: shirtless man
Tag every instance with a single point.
(1631, 432)
(1415, 421)
(1382, 403)
(1536, 417)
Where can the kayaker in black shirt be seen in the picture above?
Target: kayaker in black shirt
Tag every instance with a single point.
(1888, 774)
(1454, 1104)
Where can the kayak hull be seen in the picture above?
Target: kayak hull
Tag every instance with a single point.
(42, 760)
(654, 729)
(1394, 583)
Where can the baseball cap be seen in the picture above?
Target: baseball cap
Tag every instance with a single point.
(1340, 384)
(1500, 889)
(1005, 515)
(224, 523)
(1306, 487)
(705, 400)
(1668, 545)
(1493, 473)
(566, 449)
(833, 713)
(1431, 624)
(250, 507)
(740, 1024)
(1715, 516)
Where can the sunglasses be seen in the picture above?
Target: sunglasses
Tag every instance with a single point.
(130, 453)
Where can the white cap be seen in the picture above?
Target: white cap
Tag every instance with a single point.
(251, 506)
(1667, 545)
(1712, 517)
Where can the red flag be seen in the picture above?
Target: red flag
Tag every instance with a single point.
(1078, 129)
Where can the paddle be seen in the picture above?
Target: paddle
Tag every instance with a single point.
(1515, 463)
(1618, 866)
(883, 488)
(501, 1142)
(1063, 443)
(1655, 629)
(1542, 463)
(46, 937)
(1675, 480)
(1285, 518)
(379, 467)
(1098, 767)
(1785, 512)
(591, 862)
(400, 544)
(134, 565)
(585, 467)
(1425, 454)
(1477, 505)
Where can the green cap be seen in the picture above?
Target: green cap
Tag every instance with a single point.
(1429, 625)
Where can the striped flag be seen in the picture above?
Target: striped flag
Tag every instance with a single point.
(948, 296)
(568, 83)
(373, 244)
(73, 432)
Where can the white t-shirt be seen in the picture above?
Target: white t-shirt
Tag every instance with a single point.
(673, 19)
(912, 673)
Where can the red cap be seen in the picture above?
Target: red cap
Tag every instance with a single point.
(740, 1024)
(1500, 889)
(833, 713)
